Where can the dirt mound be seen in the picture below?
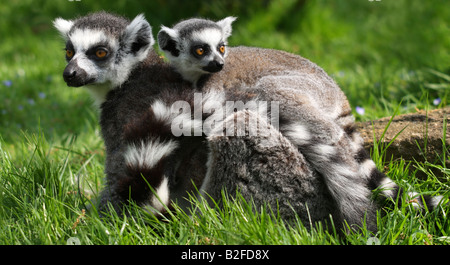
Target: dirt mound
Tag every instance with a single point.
(421, 135)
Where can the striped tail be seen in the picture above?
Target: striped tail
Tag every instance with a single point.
(145, 170)
(379, 182)
(348, 171)
(151, 147)
(149, 143)
(388, 189)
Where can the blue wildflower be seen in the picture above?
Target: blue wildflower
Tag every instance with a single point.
(7, 83)
(360, 110)
(42, 95)
(436, 101)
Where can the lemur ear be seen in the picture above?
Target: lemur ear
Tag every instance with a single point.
(225, 24)
(167, 40)
(137, 36)
(63, 26)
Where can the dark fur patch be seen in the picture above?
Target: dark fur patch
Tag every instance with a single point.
(362, 156)
(136, 185)
(376, 177)
(171, 46)
(345, 114)
(142, 39)
(168, 44)
(350, 129)
(145, 127)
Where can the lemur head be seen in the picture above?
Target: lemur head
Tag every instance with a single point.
(196, 46)
(102, 48)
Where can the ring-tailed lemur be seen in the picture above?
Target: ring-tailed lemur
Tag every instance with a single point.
(103, 49)
(129, 62)
(314, 113)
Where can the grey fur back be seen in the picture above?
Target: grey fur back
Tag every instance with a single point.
(247, 66)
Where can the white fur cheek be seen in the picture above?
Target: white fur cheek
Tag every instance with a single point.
(92, 70)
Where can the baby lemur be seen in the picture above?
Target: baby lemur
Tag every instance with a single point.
(196, 46)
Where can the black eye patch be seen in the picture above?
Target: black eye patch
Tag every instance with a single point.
(200, 50)
(69, 47)
(99, 53)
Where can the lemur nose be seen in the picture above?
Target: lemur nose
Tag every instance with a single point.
(219, 65)
(69, 74)
(213, 66)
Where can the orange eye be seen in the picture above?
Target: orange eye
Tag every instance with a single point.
(100, 53)
(69, 53)
(222, 48)
(200, 51)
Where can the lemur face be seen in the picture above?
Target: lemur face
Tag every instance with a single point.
(196, 46)
(90, 56)
(102, 48)
(205, 50)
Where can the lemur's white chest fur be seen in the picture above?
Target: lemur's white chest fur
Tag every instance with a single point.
(99, 92)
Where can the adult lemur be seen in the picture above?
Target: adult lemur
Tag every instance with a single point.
(113, 57)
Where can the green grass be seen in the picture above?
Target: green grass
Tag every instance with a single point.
(43, 204)
(388, 57)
